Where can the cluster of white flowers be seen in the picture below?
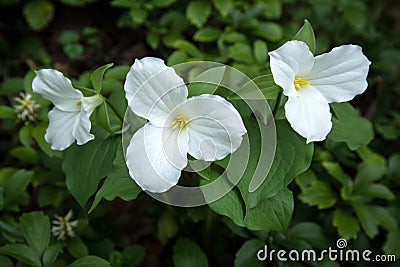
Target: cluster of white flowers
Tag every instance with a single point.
(207, 127)
(63, 227)
(26, 108)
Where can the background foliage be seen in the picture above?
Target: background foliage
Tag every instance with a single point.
(351, 189)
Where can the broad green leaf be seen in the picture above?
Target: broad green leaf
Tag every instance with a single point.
(50, 255)
(371, 169)
(260, 52)
(162, 3)
(348, 126)
(36, 229)
(11, 86)
(177, 57)
(118, 183)
(38, 13)
(167, 227)
(315, 192)
(97, 77)
(246, 256)
(117, 72)
(187, 47)
(153, 39)
(292, 157)
(7, 112)
(138, 14)
(25, 135)
(374, 191)
(392, 244)
(25, 154)
(38, 133)
(271, 214)
(310, 232)
(69, 37)
(73, 50)
(207, 34)
(265, 84)
(347, 225)
(272, 9)
(241, 52)
(334, 169)
(367, 218)
(198, 12)
(22, 253)
(270, 31)
(95, 162)
(134, 255)
(188, 253)
(5, 261)
(15, 189)
(77, 248)
(90, 261)
(306, 34)
(223, 6)
(103, 117)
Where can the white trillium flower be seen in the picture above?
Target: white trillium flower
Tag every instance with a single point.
(207, 127)
(69, 119)
(311, 83)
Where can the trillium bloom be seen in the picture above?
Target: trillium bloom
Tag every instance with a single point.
(311, 83)
(69, 119)
(207, 127)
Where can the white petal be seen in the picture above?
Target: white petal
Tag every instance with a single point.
(155, 157)
(309, 114)
(90, 103)
(52, 85)
(341, 74)
(215, 127)
(153, 89)
(59, 133)
(82, 129)
(292, 59)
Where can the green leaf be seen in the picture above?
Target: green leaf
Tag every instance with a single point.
(25, 135)
(372, 168)
(334, 169)
(347, 225)
(69, 37)
(260, 52)
(95, 162)
(7, 112)
(22, 253)
(36, 228)
(187, 47)
(265, 83)
(97, 77)
(90, 261)
(368, 219)
(162, 3)
(118, 183)
(15, 189)
(223, 6)
(247, 254)
(207, 34)
(5, 261)
(103, 117)
(25, 154)
(77, 248)
(167, 227)
(241, 52)
(38, 13)
(50, 255)
(269, 31)
(374, 191)
(348, 126)
(292, 157)
(272, 9)
(310, 232)
(271, 214)
(188, 253)
(134, 255)
(392, 244)
(198, 12)
(118, 72)
(38, 133)
(12, 86)
(306, 34)
(177, 57)
(315, 192)
(73, 50)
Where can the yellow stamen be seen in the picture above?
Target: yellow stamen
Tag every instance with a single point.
(300, 82)
(180, 121)
(78, 103)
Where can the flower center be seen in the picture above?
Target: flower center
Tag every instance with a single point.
(180, 121)
(79, 103)
(300, 82)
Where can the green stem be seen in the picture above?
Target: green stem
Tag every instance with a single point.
(115, 110)
(277, 103)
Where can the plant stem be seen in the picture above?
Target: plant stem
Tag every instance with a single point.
(277, 103)
(115, 110)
